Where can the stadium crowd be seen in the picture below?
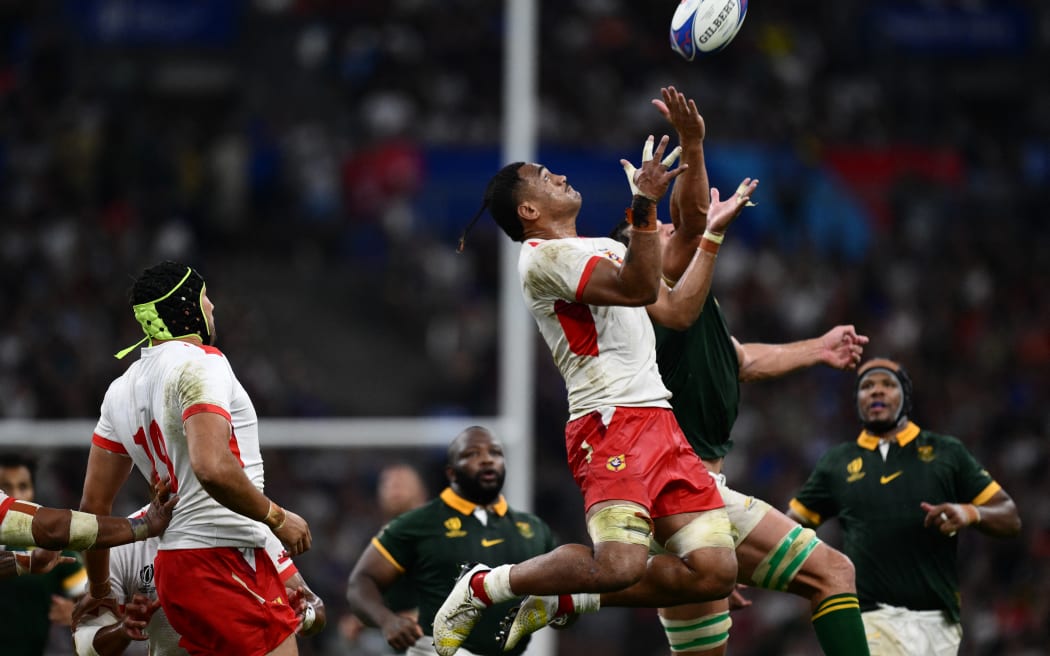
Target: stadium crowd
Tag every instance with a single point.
(291, 155)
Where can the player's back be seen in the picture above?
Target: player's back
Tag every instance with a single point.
(143, 416)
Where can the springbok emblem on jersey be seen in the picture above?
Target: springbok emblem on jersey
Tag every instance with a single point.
(926, 453)
(525, 529)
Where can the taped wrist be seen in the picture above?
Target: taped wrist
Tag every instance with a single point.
(139, 528)
(642, 215)
(275, 517)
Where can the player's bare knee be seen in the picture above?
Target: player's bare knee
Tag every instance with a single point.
(836, 571)
(716, 569)
(621, 534)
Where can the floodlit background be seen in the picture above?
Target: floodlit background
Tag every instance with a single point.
(316, 160)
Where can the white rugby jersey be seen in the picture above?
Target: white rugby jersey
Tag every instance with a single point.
(606, 354)
(131, 572)
(142, 417)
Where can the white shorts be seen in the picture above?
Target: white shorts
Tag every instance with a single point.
(893, 631)
(745, 512)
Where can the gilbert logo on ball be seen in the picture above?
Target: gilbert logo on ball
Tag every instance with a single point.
(705, 26)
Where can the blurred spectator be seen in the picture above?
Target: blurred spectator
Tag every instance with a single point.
(329, 152)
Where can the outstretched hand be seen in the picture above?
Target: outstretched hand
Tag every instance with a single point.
(654, 177)
(723, 212)
(842, 347)
(682, 114)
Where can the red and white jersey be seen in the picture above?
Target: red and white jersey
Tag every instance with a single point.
(606, 354)
(131, 572)
(142, 417)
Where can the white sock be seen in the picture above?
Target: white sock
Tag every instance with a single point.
(497, 584)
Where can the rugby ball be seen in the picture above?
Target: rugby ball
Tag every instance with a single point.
(705, 26)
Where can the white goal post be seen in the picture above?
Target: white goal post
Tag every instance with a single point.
(514, 424)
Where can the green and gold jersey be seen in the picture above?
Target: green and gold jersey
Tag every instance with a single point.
(429, 544)
(898, 561)
(699, 365)
(25, 602)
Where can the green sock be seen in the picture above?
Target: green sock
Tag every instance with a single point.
(839, 627)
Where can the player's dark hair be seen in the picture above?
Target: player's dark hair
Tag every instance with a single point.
(501, 200)
(181, 311)
(15, 460)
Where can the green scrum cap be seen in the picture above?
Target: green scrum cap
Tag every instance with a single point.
(177, 312)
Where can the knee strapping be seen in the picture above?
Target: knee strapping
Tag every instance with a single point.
(699, 634)
(83, 531)
(626, 522)
(779, 567)
(710, 529)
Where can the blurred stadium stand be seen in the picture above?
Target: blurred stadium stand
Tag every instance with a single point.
(316, 160)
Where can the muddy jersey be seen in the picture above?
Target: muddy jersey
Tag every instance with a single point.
(606, 354)
(142, 418)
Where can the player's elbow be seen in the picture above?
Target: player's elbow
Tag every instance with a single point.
(51, 528)
(641, 296)
(679, 320)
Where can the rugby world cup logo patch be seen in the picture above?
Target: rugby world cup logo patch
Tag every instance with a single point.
(455, 528)
(616, 463)
(854, 469)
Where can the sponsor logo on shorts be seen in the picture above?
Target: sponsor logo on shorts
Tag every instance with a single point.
(854, 470)
(616, 463)
(612, 256)
(455, 528)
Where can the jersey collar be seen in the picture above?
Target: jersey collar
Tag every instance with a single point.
(871, 442)
(468, 507)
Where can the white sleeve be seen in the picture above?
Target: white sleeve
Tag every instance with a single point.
(279, 555)
(205, 380)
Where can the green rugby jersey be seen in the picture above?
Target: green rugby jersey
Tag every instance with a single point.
(699, 365)
(898, 561)
(429, 544)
